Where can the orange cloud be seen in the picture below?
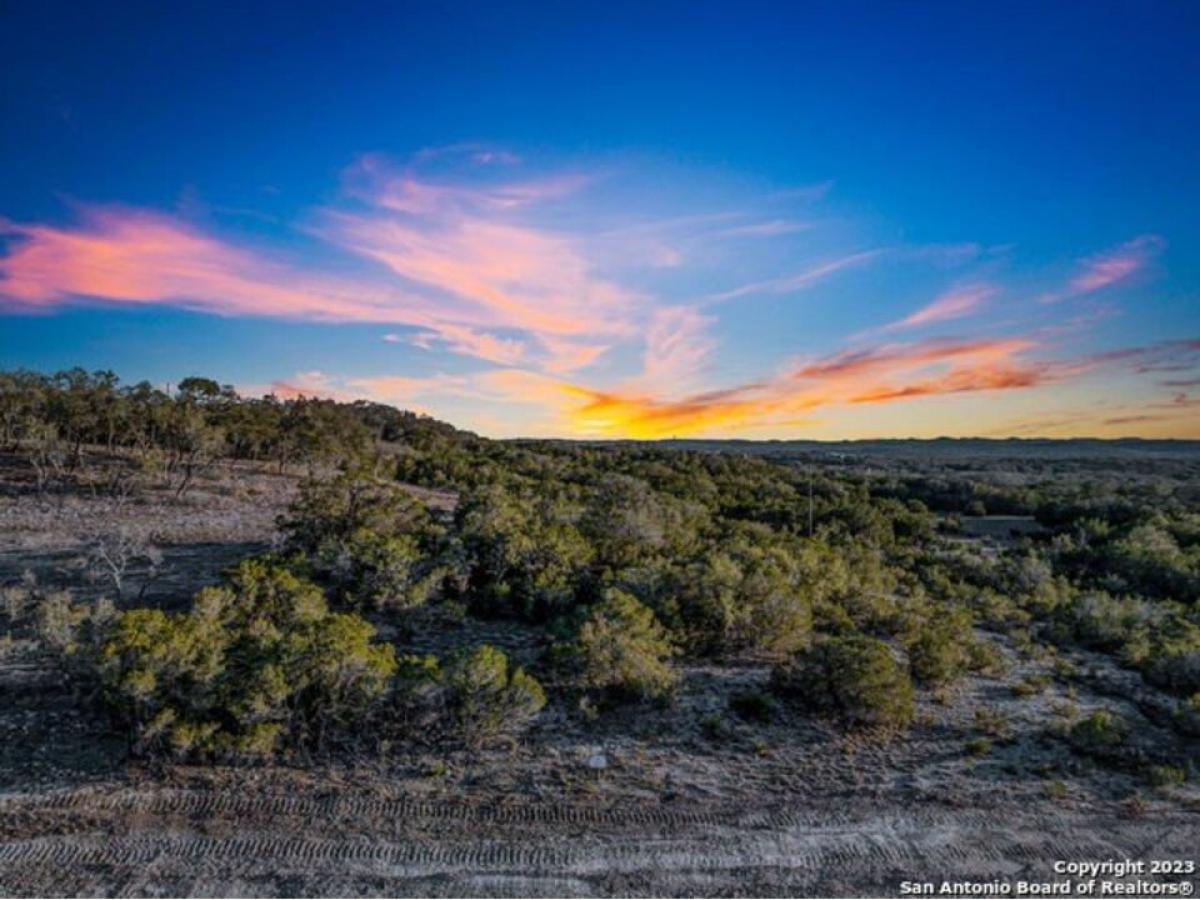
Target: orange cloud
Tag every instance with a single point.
(881, 374)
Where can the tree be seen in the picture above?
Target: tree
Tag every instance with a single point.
(258, 665)
(853, 678)
(940, 650)
(523, 556)
(369, 539)
(491, 697)
(624, 650)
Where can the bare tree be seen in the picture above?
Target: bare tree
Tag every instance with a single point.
(116, 555)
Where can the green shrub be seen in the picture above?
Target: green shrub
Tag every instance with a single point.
(489, 697)
(258, 665)
(1056, 790)
(854, 678)
(979, 746)
(1165, 776)
(623, 649)
(69, 629)
(940, 653)
(992, 722)
(753, 594)
(1101, 622)
(1175, 666)
(373, 543)
(1031, 685)
(523, 556)
(715, 728)
(419, 695)
(1100, 734)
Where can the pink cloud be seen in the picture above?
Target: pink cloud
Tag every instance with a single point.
(562, 355)
(1112, 267)
(1117, 265)
(469, 342)
(678, 345)
(143, 258)
(954, 304)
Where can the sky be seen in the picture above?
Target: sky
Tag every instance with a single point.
(647, 220)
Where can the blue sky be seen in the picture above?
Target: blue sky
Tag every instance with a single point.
(831, 220)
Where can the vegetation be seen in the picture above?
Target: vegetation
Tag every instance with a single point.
(624, 650)
(258, 664)
(633, 561)
(368, 539)
(853, 678)
(490, 696)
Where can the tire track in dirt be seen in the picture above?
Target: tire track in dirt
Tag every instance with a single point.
(876, 845)
(228, 803)
(274, 837)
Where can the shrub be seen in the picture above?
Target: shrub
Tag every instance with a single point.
(1056, 790)
(750, 595)
(854, 678)
(370, 540)
(1100, 734)
(1175, 668)
(992, 722)
(1030, 685)
(1166, 776)
(68, 629)
(491, 698)
(1099, 621)
(419, 695)
(258, 665)
(523, 556)
(624, 650)
(979, 746)
(715, 728)
(941, 651)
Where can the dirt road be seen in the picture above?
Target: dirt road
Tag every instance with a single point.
(184, 842)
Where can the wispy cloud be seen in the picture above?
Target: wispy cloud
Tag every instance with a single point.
(138, 257)
(1109, 268)
(773, 228)
(954, 304)
(678, 345)
(796, 281)
(468, 342)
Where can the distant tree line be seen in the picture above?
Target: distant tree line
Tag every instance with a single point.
(54, 419)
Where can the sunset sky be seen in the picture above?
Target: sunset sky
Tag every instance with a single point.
(752, 220)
